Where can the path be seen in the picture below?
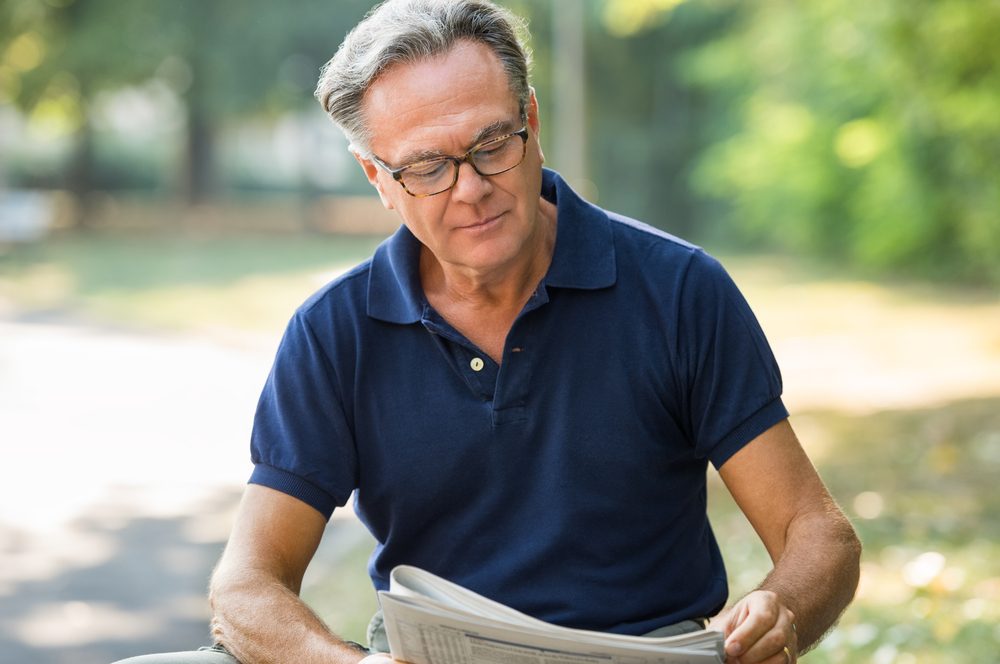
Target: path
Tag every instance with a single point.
(121, 470)
(123, 454)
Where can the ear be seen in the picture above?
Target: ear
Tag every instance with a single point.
(371, 170)
(534, 122)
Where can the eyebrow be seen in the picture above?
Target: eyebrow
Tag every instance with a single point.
(492, 130)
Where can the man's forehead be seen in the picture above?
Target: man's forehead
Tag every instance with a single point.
(430, 150)
(454, 96)
(468, 63)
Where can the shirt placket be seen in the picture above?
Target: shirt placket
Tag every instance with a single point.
(504, 386)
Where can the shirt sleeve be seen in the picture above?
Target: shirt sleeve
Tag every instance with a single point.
(733, 384)
(301, 443)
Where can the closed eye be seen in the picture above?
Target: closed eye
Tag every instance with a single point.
(426, 169)
(490, 147)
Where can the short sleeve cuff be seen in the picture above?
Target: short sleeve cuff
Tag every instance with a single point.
(296, 487)
(762, 420)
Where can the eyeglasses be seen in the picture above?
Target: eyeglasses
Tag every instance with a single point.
(438, 175)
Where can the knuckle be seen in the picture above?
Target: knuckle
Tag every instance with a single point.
(767, 596)
(774, 641)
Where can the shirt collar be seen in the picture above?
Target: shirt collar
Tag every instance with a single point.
(394, 291)
(583, 257)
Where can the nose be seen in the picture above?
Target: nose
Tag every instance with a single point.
(471, 187)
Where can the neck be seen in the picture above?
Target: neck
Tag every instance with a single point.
(504, 286)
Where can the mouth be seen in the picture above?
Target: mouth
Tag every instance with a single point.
(482, 224)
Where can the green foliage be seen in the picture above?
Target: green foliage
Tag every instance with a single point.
(224, 59)
(918, 487)
(242, 57)
(864, 132)
(646, 125)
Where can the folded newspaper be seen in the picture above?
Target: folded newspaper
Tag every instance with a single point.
(429, 620)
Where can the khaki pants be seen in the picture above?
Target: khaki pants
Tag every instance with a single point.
(376, 643)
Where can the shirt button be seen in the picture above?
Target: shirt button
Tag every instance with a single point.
(476, 364)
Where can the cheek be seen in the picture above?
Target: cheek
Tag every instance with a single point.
(424, 221)
(387, 201)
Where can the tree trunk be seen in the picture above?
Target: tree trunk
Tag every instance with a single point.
(569, 98)
(198, 179)
(78, 178)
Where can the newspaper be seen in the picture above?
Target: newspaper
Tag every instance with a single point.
(429, 620)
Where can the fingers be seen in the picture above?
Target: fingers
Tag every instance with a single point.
(779, 658)
(759, 630)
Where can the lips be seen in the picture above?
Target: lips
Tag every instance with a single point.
(482, 224)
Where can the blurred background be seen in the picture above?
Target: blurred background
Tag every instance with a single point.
(170, 192)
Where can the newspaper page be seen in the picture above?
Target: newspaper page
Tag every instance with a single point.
(450, 627)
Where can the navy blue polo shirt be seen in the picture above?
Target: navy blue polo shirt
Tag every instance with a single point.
(567, 481)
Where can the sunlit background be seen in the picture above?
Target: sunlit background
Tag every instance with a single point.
(170, 191)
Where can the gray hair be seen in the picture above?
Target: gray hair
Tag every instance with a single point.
(406, 31)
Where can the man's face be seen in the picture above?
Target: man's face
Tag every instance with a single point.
(444, 106)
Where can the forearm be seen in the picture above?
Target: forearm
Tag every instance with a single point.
(817, 572)
(259, 621)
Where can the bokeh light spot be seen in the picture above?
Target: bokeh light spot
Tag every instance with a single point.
(869, 504)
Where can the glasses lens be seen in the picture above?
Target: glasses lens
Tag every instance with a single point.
(498, 156)
(429, 177)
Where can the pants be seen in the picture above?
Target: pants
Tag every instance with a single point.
(212, 655)
(376, 638)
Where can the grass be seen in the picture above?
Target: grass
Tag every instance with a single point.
(918, 485)
(895, 390)
(173, 281)
(345, 599)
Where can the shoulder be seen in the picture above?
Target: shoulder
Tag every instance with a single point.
(323, 333)
(657, 257)
(332, 319)
(346, 293)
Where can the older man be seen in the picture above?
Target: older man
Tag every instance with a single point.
(523, 389)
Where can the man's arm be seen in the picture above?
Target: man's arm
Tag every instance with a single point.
(811, 543)
(256, 611)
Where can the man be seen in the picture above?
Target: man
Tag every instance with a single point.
(523, 389)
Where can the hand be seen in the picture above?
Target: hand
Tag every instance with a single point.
(758, 629)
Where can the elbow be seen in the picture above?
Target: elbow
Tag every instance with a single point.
(225, 585)
(841, 550)
(216, 590)
(850, 548)
(856, 550)
(219, 590)
(852, 544)
(233, 595)
(222, 589)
